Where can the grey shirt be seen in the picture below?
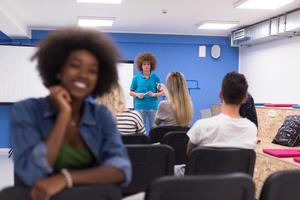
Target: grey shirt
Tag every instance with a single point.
(165, 115)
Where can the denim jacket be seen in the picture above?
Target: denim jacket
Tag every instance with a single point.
(32, 121)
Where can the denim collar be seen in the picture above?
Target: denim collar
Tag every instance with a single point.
(48, 108)
(87, 118)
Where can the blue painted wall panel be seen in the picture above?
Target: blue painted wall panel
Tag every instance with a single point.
(5, 140)
(174, 53)
(183, 57)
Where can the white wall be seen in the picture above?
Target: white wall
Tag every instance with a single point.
(273, 70)
(6, 169)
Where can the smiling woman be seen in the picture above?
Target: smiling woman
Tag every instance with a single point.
(56, 139)
(80, 74)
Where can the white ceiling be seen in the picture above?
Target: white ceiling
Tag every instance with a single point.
(18, 17)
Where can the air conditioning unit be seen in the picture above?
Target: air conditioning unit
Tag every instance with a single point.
(278, 27)
(238, 37)
(239, 34)
(293, 22)
(252, 34)
(281, 26)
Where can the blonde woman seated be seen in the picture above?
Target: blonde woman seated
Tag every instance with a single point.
(178, 109)
(128, 121)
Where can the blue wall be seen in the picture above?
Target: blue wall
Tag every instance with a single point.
(173, 52)
(5, 111)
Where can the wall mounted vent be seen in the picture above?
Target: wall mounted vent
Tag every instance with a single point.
(282, 26)
(238, 36)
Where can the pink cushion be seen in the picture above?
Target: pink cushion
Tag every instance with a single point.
(297, 159)
(283, 153)
(278, 105)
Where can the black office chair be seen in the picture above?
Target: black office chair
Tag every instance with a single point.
(178, 141)
(204, 160)
(148, 163)
(156, 134)
(94, 192)
(91, 192)
(135, 139)
(236, 186)
(283, 185)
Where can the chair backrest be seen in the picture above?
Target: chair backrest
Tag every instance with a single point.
(236, 186)
(135, 139)
(156, 134)
(91, 192)
(204, 160)
(148, 163)
(283, 185)
(178, 141)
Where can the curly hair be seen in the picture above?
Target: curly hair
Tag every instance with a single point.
(146, 56)
(54, 51)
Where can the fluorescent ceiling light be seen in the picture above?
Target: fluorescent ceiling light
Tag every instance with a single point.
(95, 22)
(262, 4)
(217, 25)
(100, 1)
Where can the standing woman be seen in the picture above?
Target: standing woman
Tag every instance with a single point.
(63, 139)
(145, 87)
(177, 110)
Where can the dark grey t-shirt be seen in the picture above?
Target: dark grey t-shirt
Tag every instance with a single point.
(165, 115)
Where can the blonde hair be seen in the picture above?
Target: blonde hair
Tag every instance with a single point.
(114, 100)
(179, 98)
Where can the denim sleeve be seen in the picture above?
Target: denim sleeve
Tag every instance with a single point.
(30, 151)
(113, 151)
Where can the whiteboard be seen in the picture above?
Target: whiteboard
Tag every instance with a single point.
(125, 71)
(19, 78)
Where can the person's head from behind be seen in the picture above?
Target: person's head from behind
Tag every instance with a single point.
(176, 84)
(234, 88)
(83, 61)
(145, 62)
(179, 98)
(114, 100)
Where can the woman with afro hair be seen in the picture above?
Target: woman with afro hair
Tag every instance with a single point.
(63, 139)
(145, 87)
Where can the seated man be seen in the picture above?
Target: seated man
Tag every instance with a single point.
(228, 129)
